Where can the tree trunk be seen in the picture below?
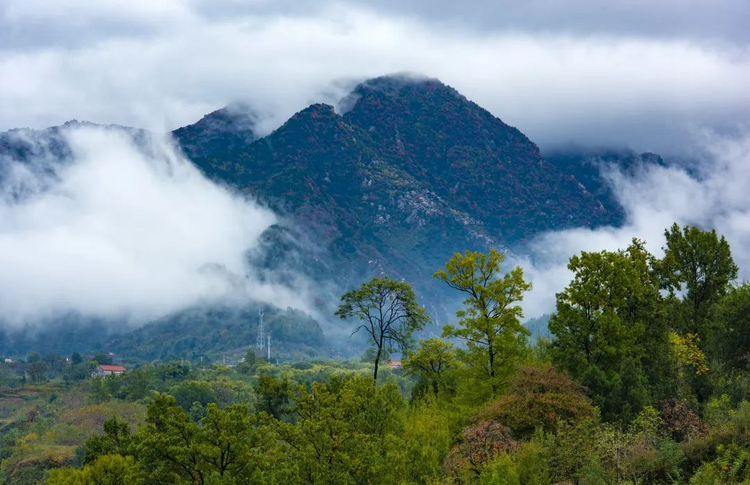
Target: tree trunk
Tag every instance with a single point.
(377, 362)
(491, 355)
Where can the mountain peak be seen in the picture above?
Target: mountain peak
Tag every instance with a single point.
(229, 127)
(395, 82)
(404, 84)
(317, 110)
(234, 117)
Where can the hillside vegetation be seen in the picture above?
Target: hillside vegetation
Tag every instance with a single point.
(643, 379)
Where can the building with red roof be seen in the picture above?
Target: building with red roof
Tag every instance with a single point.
(107, 370)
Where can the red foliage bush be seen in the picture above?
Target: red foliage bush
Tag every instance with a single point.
(479, 444)
(539, 396)
(680, 420)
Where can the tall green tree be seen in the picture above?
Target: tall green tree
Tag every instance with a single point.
(700, 263)
(490, 322)
(610, 329)
(729, 335)
(387, 310)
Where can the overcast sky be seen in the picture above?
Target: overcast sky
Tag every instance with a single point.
(670, 76)
(639, 73)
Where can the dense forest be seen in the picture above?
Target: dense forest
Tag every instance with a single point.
(642, 378)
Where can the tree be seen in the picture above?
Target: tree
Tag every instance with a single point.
(729, 336)
(433, 361)
(388, 312)
(102, 358)
(347, 432)
(190, 392)
(490, 322)
(38, 371)
(98, 390)
(248, 364)
(611, 331)
(273, 396)
(479, 444)
(701, 263)
(116, 440)
(227, 446)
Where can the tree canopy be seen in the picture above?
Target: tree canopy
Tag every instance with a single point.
(387, 310)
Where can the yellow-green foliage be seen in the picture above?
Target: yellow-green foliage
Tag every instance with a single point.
(688, 353)
(54, 432)
(91, 418)
(430, 428)
(107, 469)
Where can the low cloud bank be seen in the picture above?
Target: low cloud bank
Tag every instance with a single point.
(713, 194)
(123, 230)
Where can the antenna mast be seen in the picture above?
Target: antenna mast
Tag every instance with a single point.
(260, 343)
(269, 349)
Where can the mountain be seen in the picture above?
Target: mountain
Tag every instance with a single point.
(222, 330)
(411, 173)
(225, 129)
(591, 167)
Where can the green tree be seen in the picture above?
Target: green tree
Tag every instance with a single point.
(247, 366)
(490, 322)
(347, 432)
(135, 385)
(38, 371)
(388, 311)
(98, 391)
(274, 396)
(226, 447)
(190, 392)
(611, 332)
(729, 336)
(76, 358)
(78, 372)
(429, 431)
(102, 358)
(699, 262)
(116, 440)
(434, 360)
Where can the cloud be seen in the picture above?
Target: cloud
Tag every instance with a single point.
(542, 70)
(121, 230)
(713, 195)
(638, 73)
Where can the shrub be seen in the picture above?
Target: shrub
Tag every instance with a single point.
(539, 396)
(479, 444)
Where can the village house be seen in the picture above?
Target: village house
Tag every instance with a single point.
(106, 370)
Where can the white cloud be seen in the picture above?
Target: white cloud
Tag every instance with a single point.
(654, 198)
(123, 231)
(166, 68)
